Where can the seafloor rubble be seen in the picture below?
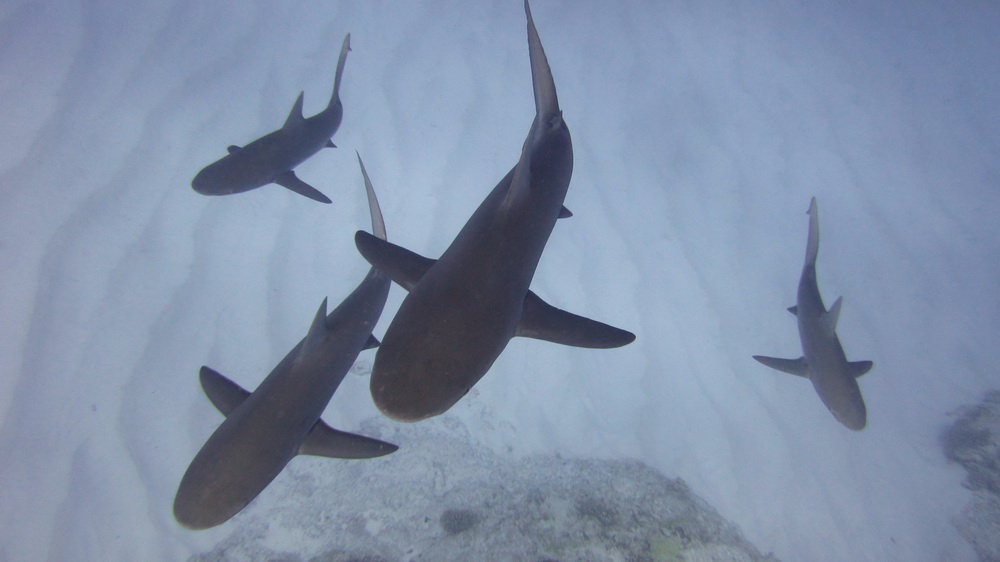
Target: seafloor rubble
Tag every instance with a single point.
(442, 498)
(974, 442)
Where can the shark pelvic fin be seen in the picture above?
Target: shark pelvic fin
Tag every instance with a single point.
(325, 441)
(797, 367)
(224, 394)
(372, 342)
(290, 181)
(329, 144)
(565, 213)
(542, 321)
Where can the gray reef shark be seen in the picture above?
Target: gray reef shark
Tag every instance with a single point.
(281, 419)
(271, 158)
(823, 361)
(463, 309)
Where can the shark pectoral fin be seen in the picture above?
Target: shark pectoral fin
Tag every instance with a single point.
(859, 368)
(329, 144)
(397, 263)
(565, 213)
(797, 367)
(794, 310)
(233, 148)
(224, 393)
(542, 321)
(324, 441)
(291, 181)
(295, 116)
(372, 342)
(831, 317)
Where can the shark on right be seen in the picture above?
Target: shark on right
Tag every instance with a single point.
(823, 360)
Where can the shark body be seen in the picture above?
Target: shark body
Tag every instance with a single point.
(272, 158)
(265, 429)
(463, 309)
(823, 360)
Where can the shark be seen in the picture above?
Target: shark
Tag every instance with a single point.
(271, 158)
(823, 361)
(463, 308)
(265, 429)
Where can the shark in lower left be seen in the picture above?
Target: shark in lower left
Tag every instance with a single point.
(265, 429)
(271, 158)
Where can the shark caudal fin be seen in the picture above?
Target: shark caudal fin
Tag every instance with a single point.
(546, 101)
(344, 49)
(378, 223)
(812, 244)
(548, 118)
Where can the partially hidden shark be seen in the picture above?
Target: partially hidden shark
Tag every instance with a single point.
(823, 361)
(271, 158)
(265, 429)
(463, 309)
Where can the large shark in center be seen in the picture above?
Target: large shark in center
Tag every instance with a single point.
(463, 309)
(823, 361)
(271, 158)
(264, 430)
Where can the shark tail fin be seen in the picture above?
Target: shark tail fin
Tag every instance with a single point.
(224, 394)
(797, 367)
(378, 223)
(546, 102)
(344, 49)
(812, 244)
(325, 441)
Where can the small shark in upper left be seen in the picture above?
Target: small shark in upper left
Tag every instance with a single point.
(265, 429)
(271, 158)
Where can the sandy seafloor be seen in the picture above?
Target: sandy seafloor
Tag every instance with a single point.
(701, 130)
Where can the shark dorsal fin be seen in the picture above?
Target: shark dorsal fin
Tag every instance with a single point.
(295, 116)
(831, 316)
(794, 309)
(317, 330)
(232, 149)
